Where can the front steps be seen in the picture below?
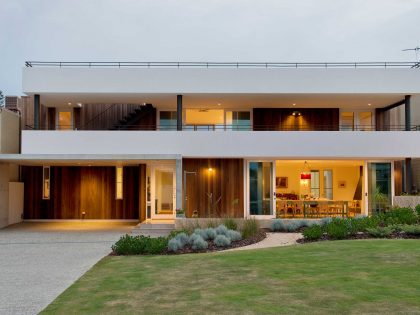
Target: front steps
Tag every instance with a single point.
(153, 229)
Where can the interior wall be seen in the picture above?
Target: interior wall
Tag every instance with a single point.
(347, 173)
(75, 190)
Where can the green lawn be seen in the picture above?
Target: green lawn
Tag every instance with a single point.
(341, 277)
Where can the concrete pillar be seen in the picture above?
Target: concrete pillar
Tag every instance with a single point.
(37, 109)
(178, 174)
(408, 175)
(179, 112)
(407, 103)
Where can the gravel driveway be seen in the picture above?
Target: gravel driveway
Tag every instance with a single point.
(38, 261)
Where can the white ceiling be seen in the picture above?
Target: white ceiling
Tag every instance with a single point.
(168, 101)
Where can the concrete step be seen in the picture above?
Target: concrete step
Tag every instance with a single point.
(153, 229)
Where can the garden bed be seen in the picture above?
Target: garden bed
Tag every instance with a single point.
(194, 240)
(361, 236)
(213, 248)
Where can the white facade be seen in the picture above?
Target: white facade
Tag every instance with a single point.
(225, 144)
(201, 80)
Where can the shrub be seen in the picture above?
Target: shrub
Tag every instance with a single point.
(234, 235)
(380, 232)
(193, 237)
(199, 243)
(230, 224)
(176, 232)
(174, 245)
(201, 232)
(418, 210)
(400, 216)
(211, 233)
(182, 238)
(308, 222)
(221, 230)
(411, 229)
(221, 241)
(137, 245)
(337, 229)
(293, 225)
(250, 228)
(313, 233)
(325, 221)
(277, 226)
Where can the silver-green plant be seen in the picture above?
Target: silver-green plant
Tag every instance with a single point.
(199, 243)
(278, 226)
(174, 245)
(222, 230)
(222, 241)
(211, 233)
(234, 235)
(182, 238)
(201, 232)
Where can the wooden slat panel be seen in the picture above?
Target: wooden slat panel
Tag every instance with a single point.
(78, 189)
(282, 119)
(216, 193)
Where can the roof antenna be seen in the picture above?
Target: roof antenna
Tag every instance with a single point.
(416, 51)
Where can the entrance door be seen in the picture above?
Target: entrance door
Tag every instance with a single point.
(379, 187)
(261, 199)
(163, 192)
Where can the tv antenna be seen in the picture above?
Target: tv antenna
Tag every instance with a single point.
(416, 51)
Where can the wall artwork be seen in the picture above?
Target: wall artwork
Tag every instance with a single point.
(281, 182)
(341, 184)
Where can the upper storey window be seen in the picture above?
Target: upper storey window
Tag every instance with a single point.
(167, 120)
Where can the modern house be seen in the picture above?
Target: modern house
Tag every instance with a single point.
(157, 141)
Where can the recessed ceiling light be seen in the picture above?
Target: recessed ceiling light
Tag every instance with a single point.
(294, 104)
(369, 104)
(69, 103)
(219, 104)
(79, 104)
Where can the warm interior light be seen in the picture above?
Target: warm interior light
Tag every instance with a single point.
(369, 104)
(69, 103)
(296, 113)
(294, 104)
(210, 169)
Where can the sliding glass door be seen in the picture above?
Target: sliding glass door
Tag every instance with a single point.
(260, 190)
(379, 187)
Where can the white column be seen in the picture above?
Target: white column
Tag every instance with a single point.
(178, 171)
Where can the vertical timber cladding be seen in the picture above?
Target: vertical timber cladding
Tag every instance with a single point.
(75, 190)
(213, 187)
(283, 119)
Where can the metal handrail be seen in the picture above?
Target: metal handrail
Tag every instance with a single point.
(125, 64)
(229, 127)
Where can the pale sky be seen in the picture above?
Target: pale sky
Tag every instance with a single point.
(198, 30)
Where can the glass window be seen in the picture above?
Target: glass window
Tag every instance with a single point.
(65, 120)
(167, 120)
(119, 182)
(365, 121)
(379, 185)
(328, 184)
(238, 120)
(315, 184)
(260, 188)
(347, 121)
(46, 182)
(164, 185)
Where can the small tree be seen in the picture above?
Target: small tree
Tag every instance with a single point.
(1, 99)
